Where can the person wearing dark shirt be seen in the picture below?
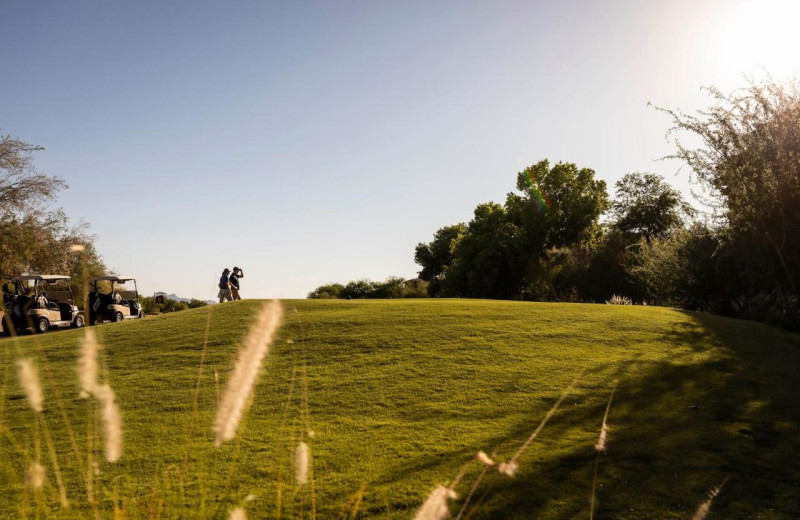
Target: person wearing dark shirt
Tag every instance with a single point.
(234, 280)
(225, 287)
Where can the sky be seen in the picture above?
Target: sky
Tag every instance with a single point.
(312, 142)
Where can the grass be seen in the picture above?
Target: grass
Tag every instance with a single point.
(402, 393)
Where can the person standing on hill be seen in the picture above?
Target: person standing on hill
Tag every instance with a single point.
(225, 287)
(234, 279)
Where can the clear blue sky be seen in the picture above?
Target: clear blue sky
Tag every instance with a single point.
(318, 142)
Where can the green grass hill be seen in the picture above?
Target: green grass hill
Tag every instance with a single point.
(401, 394)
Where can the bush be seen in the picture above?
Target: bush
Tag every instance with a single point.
(325, 292)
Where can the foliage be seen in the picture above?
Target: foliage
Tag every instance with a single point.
(22, 188)
(647, 206)
(32, 238)
(679, 270)
(194, 303)
(324, 292)
(41, 243)
(500, 252)
(750, 162)
(392, 287)
(619, 300)
(437, 256)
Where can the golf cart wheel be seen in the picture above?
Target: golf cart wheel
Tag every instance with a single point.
(118, 317)
(42, 325)
(78, 323)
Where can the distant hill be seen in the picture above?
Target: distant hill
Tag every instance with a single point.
(177, 298)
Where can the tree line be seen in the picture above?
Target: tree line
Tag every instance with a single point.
(560, 237)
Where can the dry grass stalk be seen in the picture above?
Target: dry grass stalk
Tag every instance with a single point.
(435, 506)
(34, 476)
(245, 373)
(112, 423)
(602, 440)
(238, 514)
(600, 447)
(705, 507)
(87, 363)
(302, 457)
(29, 380)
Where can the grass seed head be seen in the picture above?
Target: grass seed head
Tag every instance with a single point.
(29, 380)
(34, 476)
(87, 363)
(483, 458)
(705, 507)
(435, 506)
(508, 469)
(112, 423)
(238, 514)
(245, 372)
(601, 441)
(302, 458)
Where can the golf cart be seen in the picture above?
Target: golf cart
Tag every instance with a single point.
(39, 302)
(114, 298)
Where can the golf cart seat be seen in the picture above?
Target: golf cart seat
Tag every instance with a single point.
(41, 302)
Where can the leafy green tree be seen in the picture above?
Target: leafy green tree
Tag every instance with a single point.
(499, 254)
(559, 205)
(645, 205)
(358, 289)
(392, 287)
(194, 303)
(325, 292)
(437, 256)
(489, 258)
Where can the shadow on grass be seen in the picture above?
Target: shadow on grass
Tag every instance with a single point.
(726, 405)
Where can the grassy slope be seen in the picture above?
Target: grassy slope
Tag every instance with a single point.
(402, 393)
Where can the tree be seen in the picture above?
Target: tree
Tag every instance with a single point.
(325, 292)
(489, 259)
(499, 253)
(645, 205)
(33, 239)
(22, 188)
(437, 256)
(559, 205)
(750, 162)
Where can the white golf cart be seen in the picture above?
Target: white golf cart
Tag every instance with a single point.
(39, 302)
(114, 298)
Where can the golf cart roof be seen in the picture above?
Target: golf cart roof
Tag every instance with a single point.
(112, 278)
(41, 277)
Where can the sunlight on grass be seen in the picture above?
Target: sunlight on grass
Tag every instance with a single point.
(402, 396)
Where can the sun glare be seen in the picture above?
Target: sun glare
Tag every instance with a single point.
(747, 35)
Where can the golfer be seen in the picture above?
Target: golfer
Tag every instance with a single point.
(225, 287)
(234, 280)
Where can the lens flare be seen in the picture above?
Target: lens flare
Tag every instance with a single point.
(534, 192)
